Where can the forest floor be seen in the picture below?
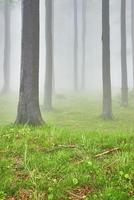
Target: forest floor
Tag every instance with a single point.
(75, 156)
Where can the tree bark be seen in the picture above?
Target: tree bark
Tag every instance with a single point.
(132, 35)
(84, 4)
(7, 50)
(28, 107)
(107, 97)
(49, 57)
(75, 46)
(53, 72)
(124, 96)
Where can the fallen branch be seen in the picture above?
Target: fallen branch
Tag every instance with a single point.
(107, 152)
(60, 147)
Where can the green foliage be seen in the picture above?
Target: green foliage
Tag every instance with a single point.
(34, 162)
(2, 195)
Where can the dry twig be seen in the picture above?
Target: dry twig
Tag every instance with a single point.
(60, 147)
(107, 152)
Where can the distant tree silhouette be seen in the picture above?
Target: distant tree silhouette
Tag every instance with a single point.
(107, 99)
(49, 56)
(124, 96)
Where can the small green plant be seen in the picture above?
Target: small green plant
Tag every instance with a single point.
(2, 195)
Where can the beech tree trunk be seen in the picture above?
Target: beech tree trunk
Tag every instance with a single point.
(124, 96)
(7, 50)
(49, 56)
(84, 4)
(132, 35)
(53, 72)
(107, 97)
(28, 107)
(75, 46)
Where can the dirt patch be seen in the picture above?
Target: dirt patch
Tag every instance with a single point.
(17, 162)
(21, 175)
(80, 193)
(28, 195)
(22, 195)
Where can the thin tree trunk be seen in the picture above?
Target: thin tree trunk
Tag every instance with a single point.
(124, 96)
(6, 66)
(49, 57)
(107, 99)
(75, 46)
(53, 73)
(84, 4)
(28, 107)
(132, 35)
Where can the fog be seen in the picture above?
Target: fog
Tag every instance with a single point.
(63, 44)
(67, 119)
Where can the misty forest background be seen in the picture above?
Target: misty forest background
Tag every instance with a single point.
(67, 99)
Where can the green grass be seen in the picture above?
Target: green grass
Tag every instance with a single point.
(52, 161)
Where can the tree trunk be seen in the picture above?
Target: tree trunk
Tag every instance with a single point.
(28, 107)
(124, 98)
(75, 47)
(6, 66)
(84, 4)
(107, 99)
(53, 72)
(132, 35)
(49, 57)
